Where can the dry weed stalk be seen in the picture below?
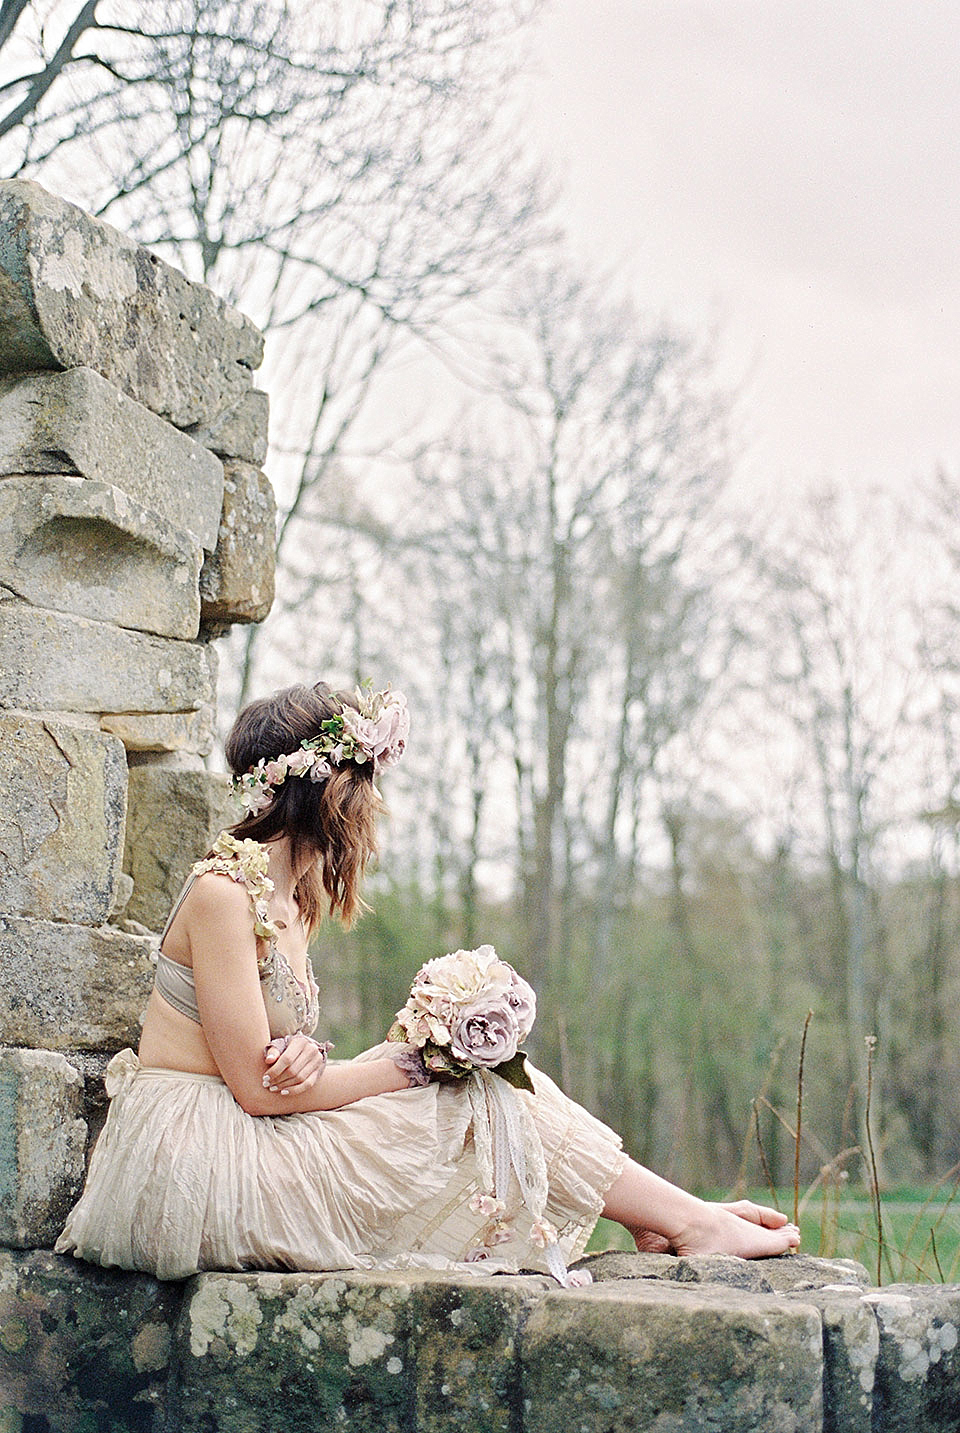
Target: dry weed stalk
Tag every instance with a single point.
(796, 1145)
(871, 1043)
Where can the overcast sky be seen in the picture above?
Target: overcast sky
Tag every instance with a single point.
(791, 170)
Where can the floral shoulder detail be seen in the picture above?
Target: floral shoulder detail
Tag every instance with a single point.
(246, 862)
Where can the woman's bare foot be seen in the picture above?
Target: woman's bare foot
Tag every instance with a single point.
(751, 1231)
(665, 1219)
(648, 1242)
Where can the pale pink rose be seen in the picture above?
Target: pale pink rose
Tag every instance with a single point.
(579, 1278)
(485, 1035)
(393, 728)
(543, 1233)
(320, 769)
(382, 736)
(363, 731)
(300, 760)
(256, 800)
(276, 770)
(486, 1204)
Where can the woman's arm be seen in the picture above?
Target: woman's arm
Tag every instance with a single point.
(224, 952)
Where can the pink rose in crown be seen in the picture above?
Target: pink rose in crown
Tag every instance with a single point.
(393, 728)
(383, 734)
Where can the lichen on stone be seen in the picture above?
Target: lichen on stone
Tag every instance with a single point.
(226, 1309)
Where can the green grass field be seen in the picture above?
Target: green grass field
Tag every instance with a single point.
(921, 1231)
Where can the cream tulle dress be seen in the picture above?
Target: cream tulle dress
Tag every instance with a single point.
(182, 1179)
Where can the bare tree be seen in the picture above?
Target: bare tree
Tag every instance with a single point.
(552, 593)
(832, 616)
(38, 46)
(623, 438)
(345, 171)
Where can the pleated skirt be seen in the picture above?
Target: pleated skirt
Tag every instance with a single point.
(183, 1180)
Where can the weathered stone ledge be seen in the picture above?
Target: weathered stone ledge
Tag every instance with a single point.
(77, 422)
(655, 1344)
(74, 292)
(90, 550)
(55, 661)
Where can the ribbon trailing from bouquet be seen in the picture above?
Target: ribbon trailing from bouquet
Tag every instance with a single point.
(506, 1142)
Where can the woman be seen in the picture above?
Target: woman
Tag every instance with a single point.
(231, 1143)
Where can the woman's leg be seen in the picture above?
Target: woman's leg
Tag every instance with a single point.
(662, 1217)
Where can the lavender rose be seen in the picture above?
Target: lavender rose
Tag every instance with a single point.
(485, 1035)
(523, 1003)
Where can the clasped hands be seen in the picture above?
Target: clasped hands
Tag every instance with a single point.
(294, 1063)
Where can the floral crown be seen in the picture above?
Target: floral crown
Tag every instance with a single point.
(375, 732)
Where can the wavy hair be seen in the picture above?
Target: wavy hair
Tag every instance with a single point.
(331, 824)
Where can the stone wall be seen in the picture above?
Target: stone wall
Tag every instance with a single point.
(135, 524)
(655, 1345)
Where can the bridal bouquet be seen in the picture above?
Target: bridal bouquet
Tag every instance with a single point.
(469, 1011)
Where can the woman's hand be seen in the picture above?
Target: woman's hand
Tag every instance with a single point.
(294, 1063)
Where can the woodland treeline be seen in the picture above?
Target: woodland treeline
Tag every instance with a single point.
(692, 767)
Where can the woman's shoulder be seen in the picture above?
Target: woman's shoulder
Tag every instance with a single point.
(245, 863)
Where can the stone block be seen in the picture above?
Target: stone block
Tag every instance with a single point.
(466, 1335)
(77, 422)
(88, 549)
(918, 1368)
(795, 1273)
(42, 1143)
(62, 819)
(618, 1264)
(315, 1351)
(851, 1345)
(72, 987)
(50, 661)
(725, 1271)
(645, 1355)
(173, 817)
(236, 583)
(74, 292)
(787, 1274)
(82, 1349)
(240, 431)
(171, 731)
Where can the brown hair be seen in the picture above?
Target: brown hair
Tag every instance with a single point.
(331, 823)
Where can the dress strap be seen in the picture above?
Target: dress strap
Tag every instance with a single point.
(179, 902)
